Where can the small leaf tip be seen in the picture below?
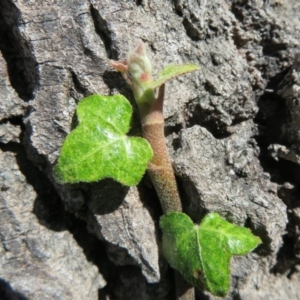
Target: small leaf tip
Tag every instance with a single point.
(120, 65)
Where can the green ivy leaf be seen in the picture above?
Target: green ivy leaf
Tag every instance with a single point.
(202, 252)
(170, 72)
(98, 147)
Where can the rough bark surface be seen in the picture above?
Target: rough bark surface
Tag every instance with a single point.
(232, 131)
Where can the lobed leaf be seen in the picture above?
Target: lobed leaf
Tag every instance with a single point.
(202, 253)
(170, 72)
(99, 148)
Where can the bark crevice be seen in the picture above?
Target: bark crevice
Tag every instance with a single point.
(21, 63)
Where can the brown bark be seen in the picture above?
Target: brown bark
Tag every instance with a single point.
(224, 127)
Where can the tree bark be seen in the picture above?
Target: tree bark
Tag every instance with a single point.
(231, 129)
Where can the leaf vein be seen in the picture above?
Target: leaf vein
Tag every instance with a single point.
(97, 149)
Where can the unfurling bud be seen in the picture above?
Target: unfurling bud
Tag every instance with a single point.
(139, 63)
(137, 70)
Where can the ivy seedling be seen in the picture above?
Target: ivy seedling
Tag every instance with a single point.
(202, 253)
(99, 148)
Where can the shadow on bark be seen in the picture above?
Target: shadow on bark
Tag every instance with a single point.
(21, 63)
(7, 293)
(270, 119)
(51, 213)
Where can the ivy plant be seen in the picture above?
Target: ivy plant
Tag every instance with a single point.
(202, 253)
(99, 148)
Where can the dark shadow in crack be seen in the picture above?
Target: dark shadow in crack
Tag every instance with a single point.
(286, 259)
(21, 63)
(131, 284)
(47, 206)
(7, 293)
(114, 80)
(103, 29)
(271, 118)
(198, 116)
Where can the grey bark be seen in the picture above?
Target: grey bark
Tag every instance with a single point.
(232, 130)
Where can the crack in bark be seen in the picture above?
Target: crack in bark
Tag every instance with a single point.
(80, 88)
(104, 31)
(14, 120)
(139, 2)
(21, 63)
(198, 116)
(51, 213)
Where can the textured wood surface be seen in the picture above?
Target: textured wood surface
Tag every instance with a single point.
(223, 126)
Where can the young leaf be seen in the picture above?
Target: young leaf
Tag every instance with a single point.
(170, 72)
(202, 253)
(99, 148)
